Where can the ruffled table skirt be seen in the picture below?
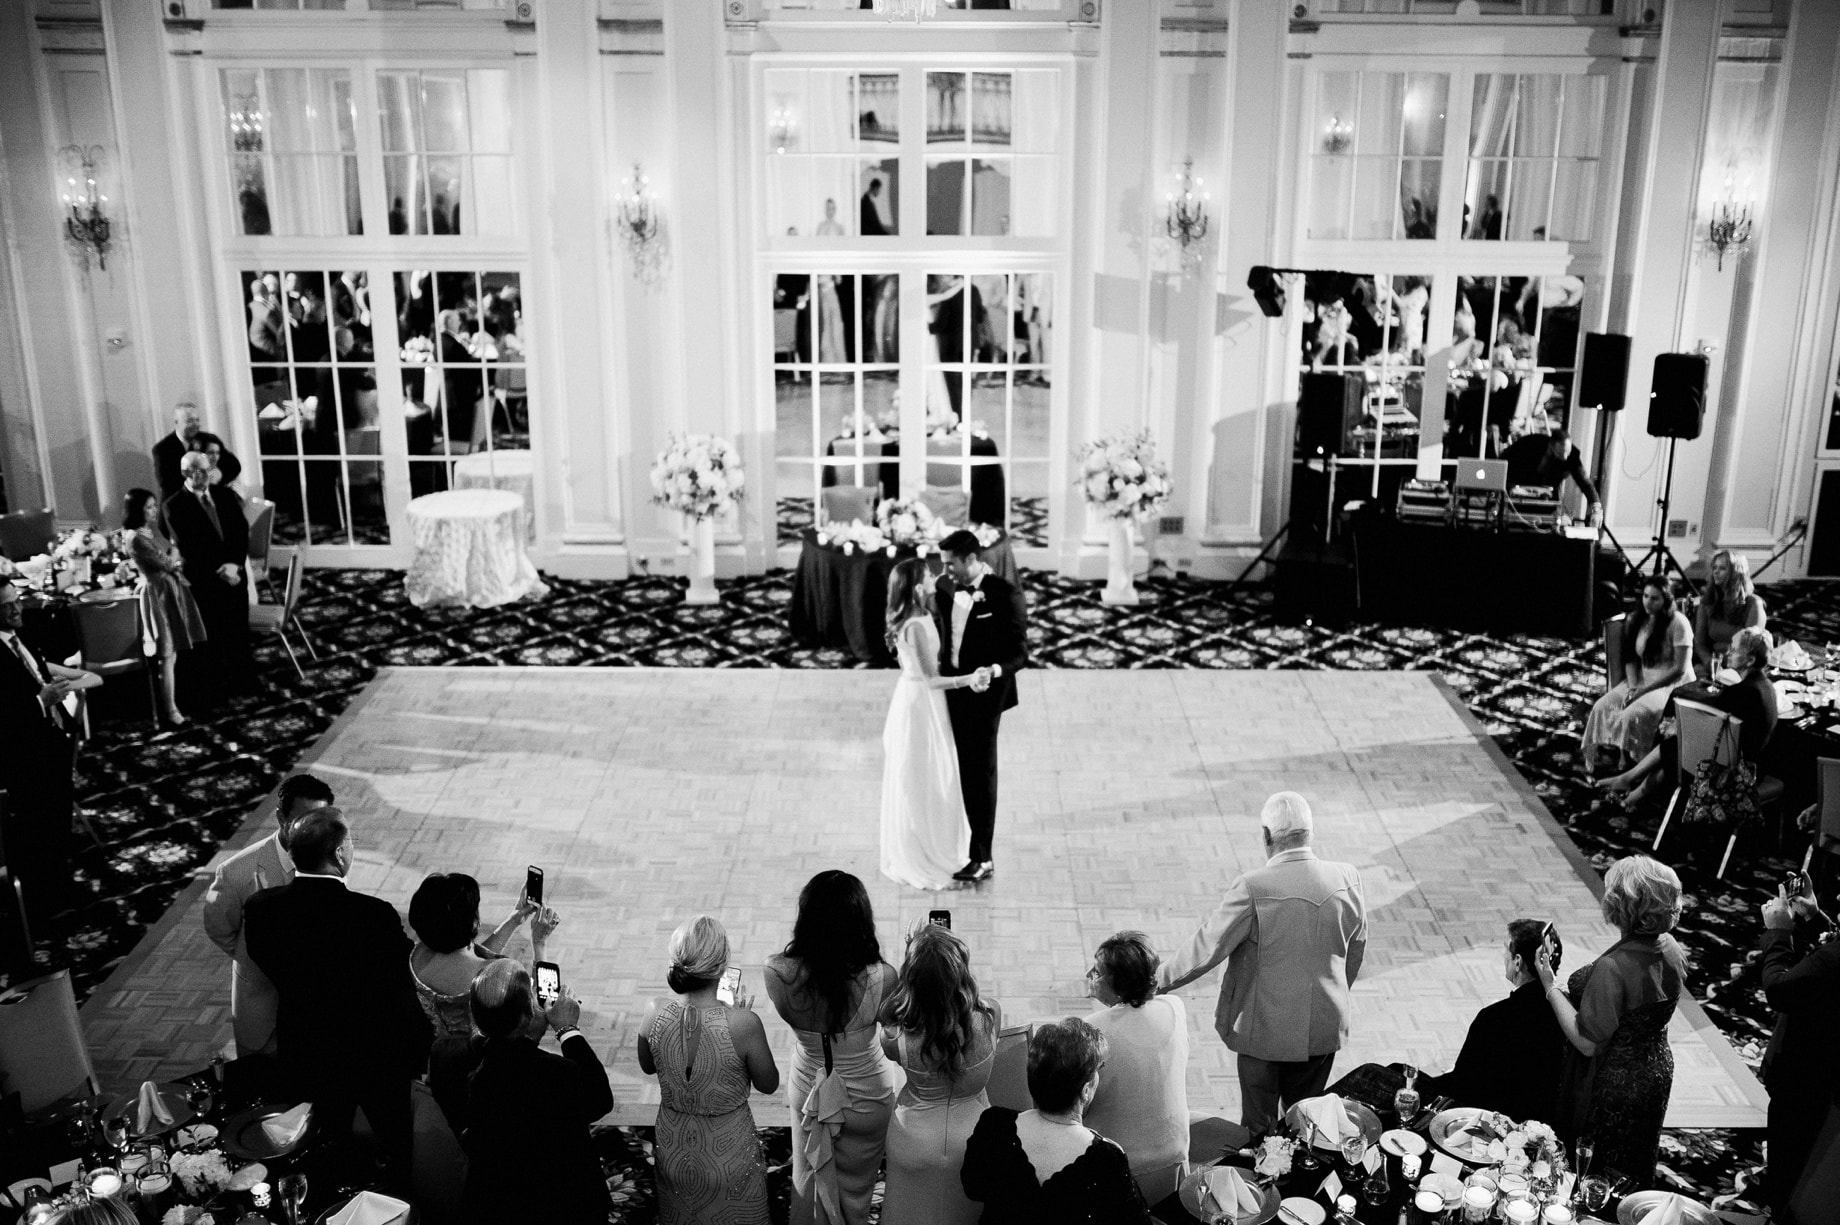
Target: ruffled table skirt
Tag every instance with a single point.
(469, 549)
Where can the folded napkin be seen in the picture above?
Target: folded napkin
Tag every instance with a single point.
(284, 1129)
(150, 1108)
(1663, 1208)
(369, 1208)
(1792, 656)
(1330, 1116)
(1228, 1189)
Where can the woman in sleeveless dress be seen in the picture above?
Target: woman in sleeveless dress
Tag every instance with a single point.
(168, 611)
(706, 1056)
(448, 954)
(925, 837)
(830, 985)
(1619, 1069)
(944, 1036)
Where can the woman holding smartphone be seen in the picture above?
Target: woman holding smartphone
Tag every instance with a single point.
(706, 1054)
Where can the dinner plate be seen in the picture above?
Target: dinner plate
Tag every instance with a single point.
(1447, 1122)
(408, 1217)
(176, 1105)
(1306, 1210)
(1447, 1185)
(1190, 1194)
(1358, 1113)
(242, 1134)
(1638, 1205)
(1403, 1143)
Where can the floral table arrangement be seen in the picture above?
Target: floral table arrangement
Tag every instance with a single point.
(1122, 479)
(699, 476)
(91, 557)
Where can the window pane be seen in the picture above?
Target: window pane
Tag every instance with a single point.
(789, 195)
(1331, 190)
(787, 116)
(836, 307)
(1491, 118)
(1529, 201)
(444, 112)
(990, 198)
(1488, 186)
(1380, 126)
(881, 320)
(1035, 325)
(1418, 195)
(1036, 111)
(991, 113)
(399, 111)
(830, 123)
(946, 120)
(1574, 202)
(1337, 108)
(1536, 116)
(878, 207)
(1376, 197)
(945, 197)
(834, 184)
(1581, 132)
(878, 108)
(1426, 102)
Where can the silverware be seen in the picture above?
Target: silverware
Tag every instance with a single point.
(1286, 1214)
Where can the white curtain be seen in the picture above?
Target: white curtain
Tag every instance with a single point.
(307, 173)
(1738, 135)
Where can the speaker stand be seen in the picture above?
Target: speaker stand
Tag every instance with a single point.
(1264, 554)
(1658, 551)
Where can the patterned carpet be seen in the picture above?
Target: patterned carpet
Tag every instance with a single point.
(161, 802)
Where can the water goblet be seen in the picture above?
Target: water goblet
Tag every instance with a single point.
(115, 1132)
(1593, 1192)
(199, 1097)
(293, 1190)
(1354, 1152)
(1405, 1101)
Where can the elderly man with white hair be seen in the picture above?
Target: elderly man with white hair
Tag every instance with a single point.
(1293, 934)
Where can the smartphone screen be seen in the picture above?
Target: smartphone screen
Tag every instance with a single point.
(731, 982)
(533, 884)
(549, 983)
(941, 917)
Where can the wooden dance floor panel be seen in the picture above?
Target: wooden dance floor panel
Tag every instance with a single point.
(1128, 800)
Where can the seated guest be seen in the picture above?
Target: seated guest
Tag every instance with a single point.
(1657, 655)
(347, 1027)
(1142, 1100)
(527, 1115)
(1550, 460)
(187, 436)
(944, 1035)
(99, 1210)
(212, 532)
(1045, 1166)
(444, 914)
(1745, 691)
(258, 866)
(1510, 1059)
(706, 1055)
(167, 608)
(1731, 604)
(1801, 1068)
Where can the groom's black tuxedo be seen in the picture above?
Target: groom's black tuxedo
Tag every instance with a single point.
(996, 632)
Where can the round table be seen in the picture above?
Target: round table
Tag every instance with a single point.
(469, 549)
(512, 470)
(840, 597)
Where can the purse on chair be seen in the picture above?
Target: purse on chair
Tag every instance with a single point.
(1723, 795)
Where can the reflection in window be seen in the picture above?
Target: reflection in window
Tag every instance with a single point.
(990, 139)
(1513, 360)
(1501, 8)
(313, 380)
(373, 5)
(866, 6)
(1534, 147)
(832, 141)
(447, 150)
(293, 155)
(463, 370)
(1378, 160)
(1373, 326)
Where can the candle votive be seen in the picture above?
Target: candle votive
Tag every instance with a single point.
(1478, 1204)
(1557, 1214)
(105, 1182)
(1519, 1212)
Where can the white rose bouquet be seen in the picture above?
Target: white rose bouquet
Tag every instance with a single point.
(910, 522)
(201, 1174)
(699, 475)
(418, 352)
(1121, 477)
(854, 535)
(1272, 1158)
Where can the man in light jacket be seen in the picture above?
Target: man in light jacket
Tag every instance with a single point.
(1293, 934)
(258, 866)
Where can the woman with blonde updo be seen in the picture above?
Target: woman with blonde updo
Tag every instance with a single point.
(706, 1055)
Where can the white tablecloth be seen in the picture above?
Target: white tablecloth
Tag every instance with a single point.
(513, 470)
(469, 549)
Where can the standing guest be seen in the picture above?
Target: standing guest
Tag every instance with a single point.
(1614, 1013)
(1511, 1057)
(212, 532)
(37, 754)
(1142, 1100)
(448, 955)
(188, 435)
(529, 1154)
(944, 1036)
(347, 1028)
(706, 1056)
(258, 866)
(1044, 1166)
(463, 380)
(1293, 934)
(1731, 604)
(168, 611)
(1550, 460)
(1801, 1068)
(1657, 655)
(830, 985)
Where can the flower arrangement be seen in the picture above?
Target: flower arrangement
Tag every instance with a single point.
(82, 542)
(201, 1174)
(878, 429)
(1121, 476)
(854, 535)
(698, 474)
(418, 352)
(1272, 1156)
(186, 1214)
(942, 422)
(910, 521)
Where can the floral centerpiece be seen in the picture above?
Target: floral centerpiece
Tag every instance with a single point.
(201, 1174)
(911, 521)
(187, 1214)
(418, 352)
(854, 535)
(698, 475)
(1121, 477)
(103, 556)
(942, 422)
(876, 429)
(1271, 1157)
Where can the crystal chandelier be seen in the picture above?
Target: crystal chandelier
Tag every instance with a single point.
(910, 10)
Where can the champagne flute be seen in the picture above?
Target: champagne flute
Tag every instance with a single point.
(293, 1189)
(1354, 1152)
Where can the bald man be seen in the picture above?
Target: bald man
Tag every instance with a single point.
(1293, 934)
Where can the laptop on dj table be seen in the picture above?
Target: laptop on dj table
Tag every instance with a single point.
(1482, 476)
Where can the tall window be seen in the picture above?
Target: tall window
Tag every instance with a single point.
(1372, 327)
(463, 372)
(292, 137)
(447, 151)
(1534, 147)
(1378, 163)
(990, 140)
(833, 142)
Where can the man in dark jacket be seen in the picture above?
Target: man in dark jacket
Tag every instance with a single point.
(348, 1028)
(1801, 1068)
(187, 436)
(209, 526)
(1511, 1056)
(527, 1114)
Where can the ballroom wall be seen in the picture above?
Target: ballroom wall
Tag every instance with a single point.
(1145, 333)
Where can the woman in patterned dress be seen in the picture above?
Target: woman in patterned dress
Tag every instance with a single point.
(706, 1056)
(168, 611)
(1614, 1013)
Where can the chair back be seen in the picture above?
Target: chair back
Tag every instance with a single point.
(110, 633)
(27, 533)
(1009, 1070)
(844, 503)
(1613, 649)
(43, 1057)
(290, 590)
(261, 530)
(1706, 734)
(1827, 791)
(953, 506)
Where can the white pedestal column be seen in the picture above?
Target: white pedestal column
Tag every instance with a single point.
(1119, 588)
(702, 563)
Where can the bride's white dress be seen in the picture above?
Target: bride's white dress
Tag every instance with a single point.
(925, 837)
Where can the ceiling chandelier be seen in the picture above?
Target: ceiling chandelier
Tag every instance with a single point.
(911, 10)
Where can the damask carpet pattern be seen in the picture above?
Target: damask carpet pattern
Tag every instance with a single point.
(160, 802)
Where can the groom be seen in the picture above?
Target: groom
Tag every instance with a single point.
(983, 623)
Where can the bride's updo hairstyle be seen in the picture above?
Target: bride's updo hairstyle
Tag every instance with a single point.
(906, 596)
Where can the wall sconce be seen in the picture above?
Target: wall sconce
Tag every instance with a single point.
(782, 131)
(1187, 221)
(910, 10)
(1729, 229)
(641, 227)
(1338, 134)
(86, 227)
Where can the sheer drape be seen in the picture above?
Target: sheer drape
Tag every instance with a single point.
(307, 174)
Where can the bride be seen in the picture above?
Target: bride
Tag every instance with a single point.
(925, 837)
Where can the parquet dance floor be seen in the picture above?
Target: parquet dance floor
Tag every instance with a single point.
(1129, 800)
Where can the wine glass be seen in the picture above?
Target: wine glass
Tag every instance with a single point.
(293, 1191)
(1305, 1156)
(1405, 1101)
(1354, 1152)
(1594, 1192)
(115, 1131)
(199, 1097)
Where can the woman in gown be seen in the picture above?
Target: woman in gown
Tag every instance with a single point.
(925, 837)
(168, 611)
(706, 1057)
(1614, 1013)
(944, 1036)
(1657, 655)
(830, 985)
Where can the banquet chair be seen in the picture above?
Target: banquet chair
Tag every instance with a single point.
(43, 1057)
(113, 643)
(1707, 734)
(1009, 1068)
(261, 536)
(27, 533)
(1613, 650)
(1826, 833)
(951, 505)
(846, 503)
(275, 618)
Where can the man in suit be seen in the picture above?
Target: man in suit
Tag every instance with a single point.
(463, 378)
(1801, 1067)
(869, 224)
(261, 865)
(187, 436)
(1512, 1054)
(1293, 934)
(983, 623)
(37, 752)
(527, 1114)
(208, 524)
(348, 1028)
